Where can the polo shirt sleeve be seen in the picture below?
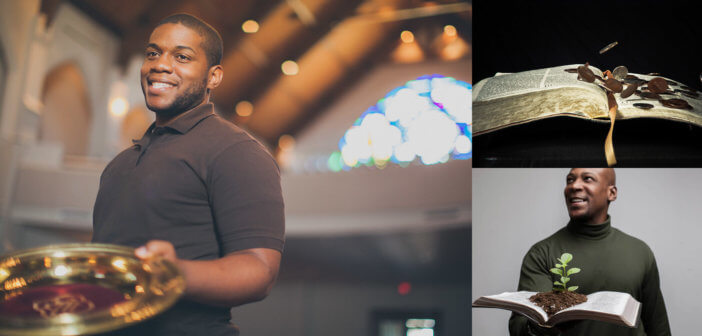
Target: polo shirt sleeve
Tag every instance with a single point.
(247, 202)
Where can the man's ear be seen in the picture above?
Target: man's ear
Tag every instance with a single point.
(611, 193)
(214, 76)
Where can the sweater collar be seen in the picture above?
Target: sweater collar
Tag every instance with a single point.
(597, 231)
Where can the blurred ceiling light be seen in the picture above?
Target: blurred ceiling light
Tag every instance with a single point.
(244, 108)
(406, 36)
(290, 68)
(407, 53)
(286, 142)
(455, 49)
(250, 26)
(118, 107)
(450, 30)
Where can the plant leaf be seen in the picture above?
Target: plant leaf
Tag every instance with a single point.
(557, 271)
(573, 271)
(572, 288)
(559, 265)
(565, 279)
(566, 258)
(557, 283)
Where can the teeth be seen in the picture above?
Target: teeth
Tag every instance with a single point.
(159, 85)
(577, 200)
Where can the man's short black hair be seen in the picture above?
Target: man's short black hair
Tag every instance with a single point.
(212, 41)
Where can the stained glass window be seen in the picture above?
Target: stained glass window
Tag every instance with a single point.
(427, 120)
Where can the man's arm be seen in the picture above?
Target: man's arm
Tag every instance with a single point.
(235, 279)
(653, 313)
(534, 276)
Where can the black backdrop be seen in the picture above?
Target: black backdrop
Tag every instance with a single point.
(654, 36)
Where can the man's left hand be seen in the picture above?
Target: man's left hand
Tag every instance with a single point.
(160, 248)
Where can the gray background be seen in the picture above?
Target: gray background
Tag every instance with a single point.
(515, 208)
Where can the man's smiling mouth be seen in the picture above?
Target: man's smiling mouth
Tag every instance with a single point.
(577, 200)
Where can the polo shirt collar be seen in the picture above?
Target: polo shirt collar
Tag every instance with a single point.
(189, 119)
(183, 123)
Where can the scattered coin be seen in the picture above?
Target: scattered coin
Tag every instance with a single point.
(629, 90)
(613, 84)
(657, 85)
(620, 72)
(675, 103)
(586, 74)
(609, 46)
(644, 106)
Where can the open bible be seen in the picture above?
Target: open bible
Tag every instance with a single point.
(612, 307)
(517, 98)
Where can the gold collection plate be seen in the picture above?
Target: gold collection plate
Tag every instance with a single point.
(82, 289)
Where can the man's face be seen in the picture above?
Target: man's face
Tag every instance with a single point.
(175, 70)
(588, 192)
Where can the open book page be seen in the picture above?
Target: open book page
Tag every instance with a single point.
(608, 306)
(628, 110)
(513, 99)
(514, 84)
(514, 301)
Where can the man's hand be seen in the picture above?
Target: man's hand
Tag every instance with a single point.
(237, 278)
(159, 248)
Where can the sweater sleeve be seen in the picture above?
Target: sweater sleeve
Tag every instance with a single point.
(535, 277)
(653, 313)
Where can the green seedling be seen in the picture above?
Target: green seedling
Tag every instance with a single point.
(565, 273)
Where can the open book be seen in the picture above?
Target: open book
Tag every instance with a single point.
(511, 99)
(613, 307)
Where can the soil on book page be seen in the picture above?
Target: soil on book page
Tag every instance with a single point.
(555, 301)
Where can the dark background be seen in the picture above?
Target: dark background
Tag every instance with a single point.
(653, 36)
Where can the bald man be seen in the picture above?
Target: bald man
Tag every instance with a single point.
(609, 259)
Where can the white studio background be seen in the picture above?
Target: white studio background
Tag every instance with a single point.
(515, 208)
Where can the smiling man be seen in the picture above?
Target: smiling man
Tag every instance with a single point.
(610, 260)
(195, 189)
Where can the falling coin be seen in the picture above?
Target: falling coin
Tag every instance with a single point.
(609, 46)
(644, 106)
(629, 90)
(658, 85)
(620, 72)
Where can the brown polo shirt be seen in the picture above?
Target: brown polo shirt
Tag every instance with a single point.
(201, 183)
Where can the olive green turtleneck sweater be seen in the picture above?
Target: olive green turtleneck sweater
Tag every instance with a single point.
(609, 260)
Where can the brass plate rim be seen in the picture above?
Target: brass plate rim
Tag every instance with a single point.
(162, 283)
